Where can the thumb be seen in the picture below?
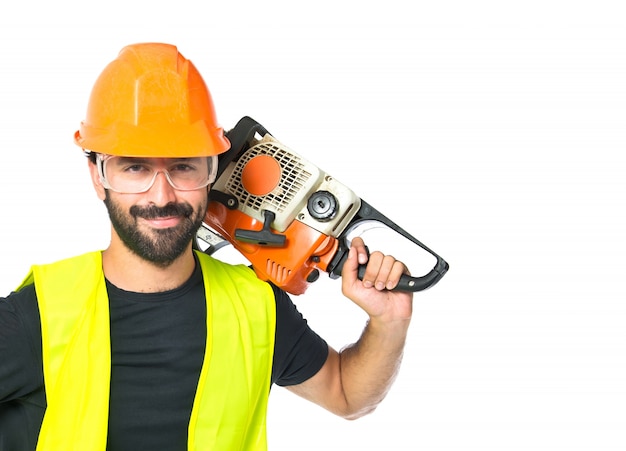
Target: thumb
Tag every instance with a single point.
(349, 272)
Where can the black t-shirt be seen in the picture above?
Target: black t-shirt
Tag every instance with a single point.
(157, 348)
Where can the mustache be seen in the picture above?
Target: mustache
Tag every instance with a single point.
(154, 212)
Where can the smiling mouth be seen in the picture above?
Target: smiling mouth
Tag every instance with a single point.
(163, 221)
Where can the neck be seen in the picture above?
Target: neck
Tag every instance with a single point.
(128, 271)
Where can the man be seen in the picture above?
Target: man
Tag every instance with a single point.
(150, 344)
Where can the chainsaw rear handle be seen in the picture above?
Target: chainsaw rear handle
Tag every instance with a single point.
(407, 283)
(413, 284)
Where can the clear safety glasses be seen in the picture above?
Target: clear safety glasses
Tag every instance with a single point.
(132, 175)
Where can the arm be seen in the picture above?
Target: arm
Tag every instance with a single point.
(354, 381)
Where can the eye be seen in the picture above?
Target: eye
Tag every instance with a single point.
(188, 166)
(136, 168)
(184, 167)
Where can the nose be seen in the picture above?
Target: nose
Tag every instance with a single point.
(161, 192)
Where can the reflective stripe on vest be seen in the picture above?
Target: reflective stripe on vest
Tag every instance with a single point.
(230, 406)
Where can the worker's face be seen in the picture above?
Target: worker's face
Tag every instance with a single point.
(159, 224)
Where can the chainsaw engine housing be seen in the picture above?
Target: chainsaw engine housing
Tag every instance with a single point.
(287, 226)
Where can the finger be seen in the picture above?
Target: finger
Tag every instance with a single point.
(359, 245)
(384, 272)
(398, 270)
(372, 269)
(350, 268)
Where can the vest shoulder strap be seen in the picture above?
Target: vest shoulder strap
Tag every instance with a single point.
(74, 313)
(241, 322)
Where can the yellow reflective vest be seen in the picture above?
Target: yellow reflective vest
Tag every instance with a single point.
(230, 405)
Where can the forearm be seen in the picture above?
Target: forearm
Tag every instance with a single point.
(370, 366)
(354, 381)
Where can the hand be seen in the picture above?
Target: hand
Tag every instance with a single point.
(373, 293)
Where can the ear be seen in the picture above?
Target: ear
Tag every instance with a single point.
(95, 179)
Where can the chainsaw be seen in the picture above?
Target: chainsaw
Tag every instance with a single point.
(289, 218)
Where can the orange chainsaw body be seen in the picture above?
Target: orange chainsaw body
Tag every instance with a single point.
(287, 266)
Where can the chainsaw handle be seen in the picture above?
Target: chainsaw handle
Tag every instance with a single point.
(413, 284)
(239, 136)
(407, 283)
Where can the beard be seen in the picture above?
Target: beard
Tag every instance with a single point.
(162, 246)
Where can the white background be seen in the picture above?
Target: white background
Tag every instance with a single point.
(492, 131)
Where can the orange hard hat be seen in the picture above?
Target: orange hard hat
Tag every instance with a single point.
(151, 102)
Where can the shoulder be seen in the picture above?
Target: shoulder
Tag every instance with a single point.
(76, 266)
(23, 296)
(20, 309)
